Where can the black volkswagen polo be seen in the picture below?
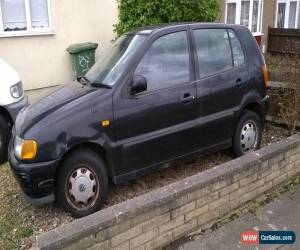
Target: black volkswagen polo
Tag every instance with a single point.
(158, 94)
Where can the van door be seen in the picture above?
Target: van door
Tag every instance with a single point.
(221, 79)
(158, 124)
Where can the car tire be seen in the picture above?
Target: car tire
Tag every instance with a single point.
(248, 134)
(82, 183)
(5, 134)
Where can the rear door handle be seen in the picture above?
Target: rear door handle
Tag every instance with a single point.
(239, 83)
(187, 97)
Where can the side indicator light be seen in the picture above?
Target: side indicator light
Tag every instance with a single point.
(105, 123)
(29, 150)
(266, 75)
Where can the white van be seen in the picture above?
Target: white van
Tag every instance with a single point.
(12, 100)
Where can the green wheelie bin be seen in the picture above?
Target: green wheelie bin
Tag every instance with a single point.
(82, 57)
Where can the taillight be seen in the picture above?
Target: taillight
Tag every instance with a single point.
(266, 75)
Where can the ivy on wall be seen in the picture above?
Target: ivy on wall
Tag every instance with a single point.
(138, 13)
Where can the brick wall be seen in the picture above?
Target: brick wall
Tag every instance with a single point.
(162, 216)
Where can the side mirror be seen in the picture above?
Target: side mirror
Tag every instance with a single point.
(138, 85)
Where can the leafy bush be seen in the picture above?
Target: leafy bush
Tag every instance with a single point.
(137, 13)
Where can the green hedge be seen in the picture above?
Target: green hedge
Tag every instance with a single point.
(137, 13)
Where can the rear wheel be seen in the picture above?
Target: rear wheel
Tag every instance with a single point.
(5, 134)
(82, 185)
(248, 134)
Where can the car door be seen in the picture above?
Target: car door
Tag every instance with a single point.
(158, 124)
(221, 79)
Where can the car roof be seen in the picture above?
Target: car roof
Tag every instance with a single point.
(152, 28)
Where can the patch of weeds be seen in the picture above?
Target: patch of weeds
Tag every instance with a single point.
(9, 245)
(275, 195)
(233, 216)
(254, 207)
(13, 230)
(24, 232)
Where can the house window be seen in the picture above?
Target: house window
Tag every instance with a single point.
(245, 12)
(288, 14)
(21, 17)
(245, 9)
(231, 10)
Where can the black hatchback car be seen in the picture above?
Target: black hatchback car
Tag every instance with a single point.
(158, 94)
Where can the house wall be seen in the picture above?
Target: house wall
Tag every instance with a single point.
(268, 18)
(42, 61)
(222, 11)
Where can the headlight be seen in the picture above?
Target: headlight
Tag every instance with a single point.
(25, 149)
(16, 90)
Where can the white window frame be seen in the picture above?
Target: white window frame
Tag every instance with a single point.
(287, 13)
(30, 30)
(238, 3)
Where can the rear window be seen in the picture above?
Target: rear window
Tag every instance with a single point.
(237, 50)
(213, 51)
(218, 50)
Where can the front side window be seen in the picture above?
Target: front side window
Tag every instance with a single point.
(24, 16)
(288, 14)
(213, 51)
(245, 12)
(166, 63)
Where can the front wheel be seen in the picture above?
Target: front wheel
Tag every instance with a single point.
(82, 184)
(248, 134)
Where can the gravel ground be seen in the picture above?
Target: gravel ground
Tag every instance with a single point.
(21, 222)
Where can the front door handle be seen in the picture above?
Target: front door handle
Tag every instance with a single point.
(187, 98)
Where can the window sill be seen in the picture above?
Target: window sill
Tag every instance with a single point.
(21, 34)
(258, 34)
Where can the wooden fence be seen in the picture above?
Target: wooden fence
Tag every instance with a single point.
(283, 40)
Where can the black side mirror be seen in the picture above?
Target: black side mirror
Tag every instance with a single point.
(138, 85)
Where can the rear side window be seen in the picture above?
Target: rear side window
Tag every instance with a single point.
(213, 51)
(166, 63)
(237, 50)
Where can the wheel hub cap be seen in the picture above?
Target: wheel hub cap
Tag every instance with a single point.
(82, 186)
(248, 137)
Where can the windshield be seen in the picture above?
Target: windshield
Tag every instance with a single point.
(111, 64)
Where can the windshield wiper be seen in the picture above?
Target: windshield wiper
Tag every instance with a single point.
(83, 80)
(100, 85)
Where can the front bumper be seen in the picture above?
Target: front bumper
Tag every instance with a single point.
(35, 179)
(14, 108)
